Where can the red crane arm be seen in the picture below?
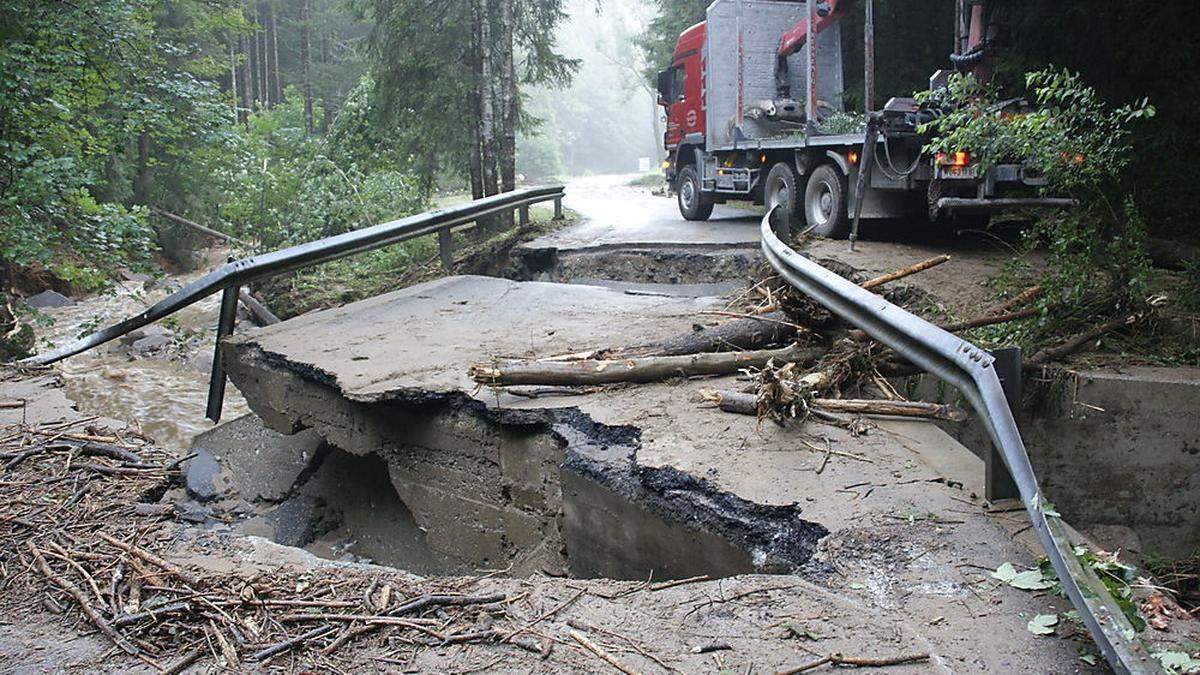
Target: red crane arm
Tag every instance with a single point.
(793, 39)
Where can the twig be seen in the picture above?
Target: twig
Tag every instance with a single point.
(183, 663)
(662, 585)
(280, 647)
(990, 319)
(80, 598)
(1079, 341)
(151, 558)
(857, 662)
(599, 651)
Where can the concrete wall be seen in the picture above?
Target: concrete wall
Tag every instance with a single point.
(1117, 452)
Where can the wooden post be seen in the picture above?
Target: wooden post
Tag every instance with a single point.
(524, 211)
(446, 248)
(558, 212)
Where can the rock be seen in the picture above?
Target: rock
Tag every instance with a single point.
(145, 331)
(152, 343)
(192, 513)
(198, 478)
(48, 299)
(135, 277)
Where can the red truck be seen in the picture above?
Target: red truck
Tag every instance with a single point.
(754, 113)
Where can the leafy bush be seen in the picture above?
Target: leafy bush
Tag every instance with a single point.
(1097, 253)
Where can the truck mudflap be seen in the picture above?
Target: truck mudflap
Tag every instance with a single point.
(969, 369)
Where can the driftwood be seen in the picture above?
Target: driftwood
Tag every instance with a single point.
(645, 369)
(747, 404)
(904, 272)
(758, 332)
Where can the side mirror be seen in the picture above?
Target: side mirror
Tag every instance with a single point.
(664, 87)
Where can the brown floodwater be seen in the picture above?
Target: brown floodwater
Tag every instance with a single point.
(164, 391)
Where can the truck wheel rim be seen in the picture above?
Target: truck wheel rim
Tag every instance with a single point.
(687, 193)
(820, 208)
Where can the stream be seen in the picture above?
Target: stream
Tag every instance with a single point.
(159, 381)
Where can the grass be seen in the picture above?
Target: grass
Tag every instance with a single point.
(652, 179)
(375, 272)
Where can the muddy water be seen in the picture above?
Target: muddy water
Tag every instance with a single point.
(166, 390)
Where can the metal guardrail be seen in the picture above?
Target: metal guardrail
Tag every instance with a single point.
(969, 369)
(230, 277)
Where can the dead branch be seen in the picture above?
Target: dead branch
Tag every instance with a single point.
(645, 369)
(904, 272)
(747, 404)
(82, 600)
(599, 651)
(1083, 339)
(152, 559)
(1017, 300)
(857, 662)
(290, 643)
(990, 319)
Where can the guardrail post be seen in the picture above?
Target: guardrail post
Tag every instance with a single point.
(216, 382)
(558, 214)
(524, 214)
(998, 483)
(446, 248)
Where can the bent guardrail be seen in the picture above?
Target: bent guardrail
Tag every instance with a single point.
(230, 277)
(969, 369)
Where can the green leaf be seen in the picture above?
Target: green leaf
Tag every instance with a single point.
(1030, 580)
(1043, 624)
(1005, 572)
(1177, 662)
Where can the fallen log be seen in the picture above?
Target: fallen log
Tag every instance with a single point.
(758, 332)
(747, 404)
(644, 369)
(904, 272)
(261, 314)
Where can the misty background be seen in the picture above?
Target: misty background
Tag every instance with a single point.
(604, 121)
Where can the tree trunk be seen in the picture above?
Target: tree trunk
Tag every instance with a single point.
(508, 99)
(252, 58)
(144, 178)
(233, 84)
(275, 57)
(306, 61)
(244, 78)
(487, 132)
(260, 35)
(751, 333)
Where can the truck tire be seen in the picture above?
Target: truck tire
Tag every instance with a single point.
(782, 190)
(693, 203)
(825, 203)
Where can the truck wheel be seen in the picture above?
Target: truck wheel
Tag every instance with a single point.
(781, 190)
(825, 203)
(693, 203)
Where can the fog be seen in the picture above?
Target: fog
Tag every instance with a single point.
(603, 122)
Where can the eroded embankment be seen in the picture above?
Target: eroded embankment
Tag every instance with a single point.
(645, 264)
(527, 490)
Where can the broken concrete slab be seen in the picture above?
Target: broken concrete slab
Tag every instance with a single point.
(649, 481)
(249, 461)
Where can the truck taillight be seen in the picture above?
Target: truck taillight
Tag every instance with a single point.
(959, 158)
(853, 157)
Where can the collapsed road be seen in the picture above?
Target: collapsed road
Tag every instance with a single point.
(616, 482)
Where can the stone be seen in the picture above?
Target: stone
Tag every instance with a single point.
(47, 299)
(199, 476)
(152, 343)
